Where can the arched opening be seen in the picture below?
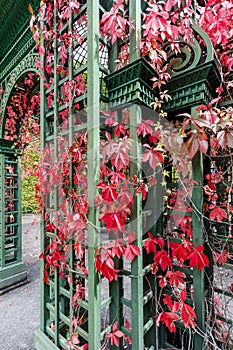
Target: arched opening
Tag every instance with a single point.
(21, 118)
(21, 125)
(20, 137)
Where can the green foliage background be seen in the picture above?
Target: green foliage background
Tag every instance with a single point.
(30, 158)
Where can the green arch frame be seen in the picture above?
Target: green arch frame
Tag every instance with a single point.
(27, 65)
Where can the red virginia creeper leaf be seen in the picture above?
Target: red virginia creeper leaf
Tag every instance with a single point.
(132, 251)
(198, 259)
(168, 319)
(188, 316)
(217, 213)
(113, 222)
(183, 295)
(175, 277)
(153, 155)
(167, 300)
(115, 335)
(162, 258)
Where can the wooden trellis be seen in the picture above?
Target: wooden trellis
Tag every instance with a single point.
(134, 295)
(16, 60)
(128, 297)
(12, 268)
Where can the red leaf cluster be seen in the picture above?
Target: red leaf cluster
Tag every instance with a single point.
(115, 335)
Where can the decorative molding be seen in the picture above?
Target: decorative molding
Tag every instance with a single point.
(13, 63)
(15, 31)
(195, 73)
(195, 87)
(131, 84)
(28, 64)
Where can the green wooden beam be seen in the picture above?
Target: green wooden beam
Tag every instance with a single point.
(136, 217)
(44, 289)
(71, 175)
(19, 209)
(198, 239)
(136, 226)
(94, 316)
(56, 155)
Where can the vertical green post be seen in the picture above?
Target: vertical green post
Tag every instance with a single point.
(93, 95)
(19, 209)
(71, 140)
(136, 226)
(135, 169)
(155, 337)
(198, 239)
(55, 145)
(116, 287)
(43, 242)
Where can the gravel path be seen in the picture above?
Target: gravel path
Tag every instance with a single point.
(20, 307)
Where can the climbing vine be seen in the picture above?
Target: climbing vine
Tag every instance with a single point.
(167, 150)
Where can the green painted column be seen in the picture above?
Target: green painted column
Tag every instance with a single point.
(41, 340)
(93, 125)
(54, 205)
(198, 239)
(136, 218)
(116, 288)
(43, 242)
(71, 177)
(136, 226)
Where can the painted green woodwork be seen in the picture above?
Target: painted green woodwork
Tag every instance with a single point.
(136, 226)
(131, 84)
(194, 81)
(93, 127)
(15, 35)
(195, 75)
(44, 289)
(16, 59)
(12, 269)
(198, 239)
(26, 65)
(136, 218)
(196, 86)
(192, 54)
(57, 297)
(52, 309)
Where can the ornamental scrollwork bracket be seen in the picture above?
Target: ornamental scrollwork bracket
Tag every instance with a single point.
(191, 55)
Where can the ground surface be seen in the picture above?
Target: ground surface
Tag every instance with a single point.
(19, 308)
